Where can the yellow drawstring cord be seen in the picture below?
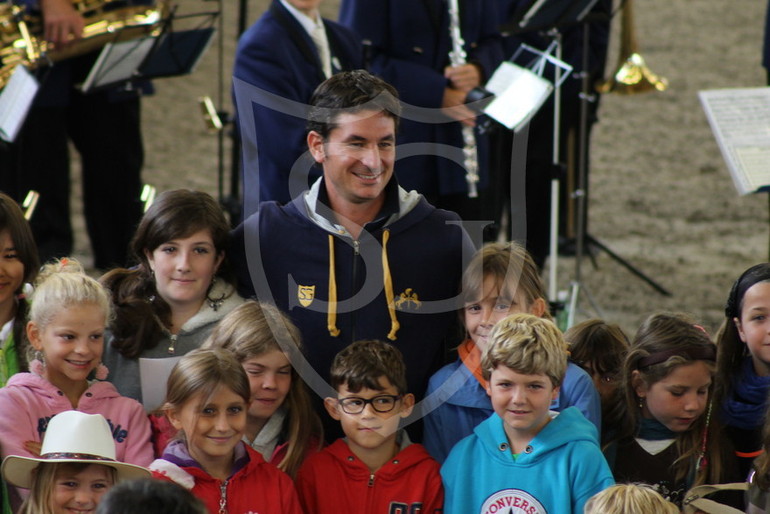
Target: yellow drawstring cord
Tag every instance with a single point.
(388, 284)
(331, 316)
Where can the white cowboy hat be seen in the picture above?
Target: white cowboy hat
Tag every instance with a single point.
(72, 436)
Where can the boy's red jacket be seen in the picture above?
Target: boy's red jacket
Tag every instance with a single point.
(335, 480)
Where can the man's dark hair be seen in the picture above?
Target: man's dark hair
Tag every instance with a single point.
(350, 92)
(150, 496)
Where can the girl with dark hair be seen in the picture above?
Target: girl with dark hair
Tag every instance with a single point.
(170, 301)
(743, 363)
(18, 266)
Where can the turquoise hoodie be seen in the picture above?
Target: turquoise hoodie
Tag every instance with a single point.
(559, 471)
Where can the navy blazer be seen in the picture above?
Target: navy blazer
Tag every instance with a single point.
(410, 46)
(277, 55)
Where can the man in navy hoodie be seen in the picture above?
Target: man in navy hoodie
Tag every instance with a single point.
(356, 256)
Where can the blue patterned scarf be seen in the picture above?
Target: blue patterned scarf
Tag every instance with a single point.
(745, 406)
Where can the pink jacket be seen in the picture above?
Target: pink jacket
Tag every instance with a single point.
(28, 402)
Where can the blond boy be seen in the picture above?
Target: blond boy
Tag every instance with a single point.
(524, 457)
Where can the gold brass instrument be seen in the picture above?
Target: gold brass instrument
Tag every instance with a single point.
(21, 33)
(633, 75)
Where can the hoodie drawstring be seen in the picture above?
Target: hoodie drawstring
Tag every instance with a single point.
(387, 281)
(331, 315)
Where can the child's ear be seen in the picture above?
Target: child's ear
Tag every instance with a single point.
(537, 308)
(407, 405)
(331, 408)
(173, 418)
(33, 334)
(638, 384)
(740, 329)
(555, 392)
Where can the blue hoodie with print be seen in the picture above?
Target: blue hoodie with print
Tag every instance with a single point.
(559, 471)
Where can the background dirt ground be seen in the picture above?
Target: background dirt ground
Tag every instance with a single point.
(661, 195)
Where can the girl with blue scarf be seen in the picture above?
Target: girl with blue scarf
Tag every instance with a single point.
(744, 363)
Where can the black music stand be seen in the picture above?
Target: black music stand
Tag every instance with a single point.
(550, 17)
(168, 53)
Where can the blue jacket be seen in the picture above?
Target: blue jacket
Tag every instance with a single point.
(285, 254)
(560, 470)
(408, 45)
(458, 415)
(277, 56)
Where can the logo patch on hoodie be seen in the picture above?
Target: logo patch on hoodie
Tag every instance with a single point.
(408, 300)
(305, 295)
(512, 501)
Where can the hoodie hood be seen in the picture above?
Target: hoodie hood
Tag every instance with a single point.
(571, 427)
(409, 457)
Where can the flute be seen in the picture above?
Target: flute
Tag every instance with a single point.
(458, 57)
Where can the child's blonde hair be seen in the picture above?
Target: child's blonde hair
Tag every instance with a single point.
(664, 342)
(62, 284)
(44, 476)
(253, 329)
(514, 272)
(629, 498)
(526, 344)
(201, 372)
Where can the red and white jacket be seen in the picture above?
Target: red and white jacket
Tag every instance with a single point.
(255, 487)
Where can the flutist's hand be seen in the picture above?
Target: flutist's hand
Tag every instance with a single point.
(453, 105)
(63, 24)
(464, 77)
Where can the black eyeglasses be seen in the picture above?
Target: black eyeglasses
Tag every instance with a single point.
(381, 403)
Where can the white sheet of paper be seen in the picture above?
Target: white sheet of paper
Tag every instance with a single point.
(153, 374)
(740, 121)
(15, 100)
(519, 93)
(118, 62)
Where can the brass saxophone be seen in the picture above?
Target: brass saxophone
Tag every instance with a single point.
(457, 57)
(21, 33)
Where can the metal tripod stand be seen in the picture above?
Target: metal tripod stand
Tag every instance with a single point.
(582, 237)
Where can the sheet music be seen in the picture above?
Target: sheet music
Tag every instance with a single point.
(15, 101)
(118, 62)
(740, 121)
(519, 94)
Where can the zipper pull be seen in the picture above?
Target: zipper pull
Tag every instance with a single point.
(223, 498)
(356, 247)
(371, 480)
(173, 342)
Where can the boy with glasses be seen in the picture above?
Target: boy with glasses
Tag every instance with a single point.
(375, 468)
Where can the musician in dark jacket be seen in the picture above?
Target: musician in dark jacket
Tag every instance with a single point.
(408, 45)
(279, 56)
(105, 130)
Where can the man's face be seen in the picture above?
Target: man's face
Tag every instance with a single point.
(357, 157)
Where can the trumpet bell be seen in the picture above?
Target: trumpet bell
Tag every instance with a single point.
(633, 77)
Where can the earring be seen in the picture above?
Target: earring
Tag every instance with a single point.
(102, 372)
(641, 402)
(37, 364)
(215, 303)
